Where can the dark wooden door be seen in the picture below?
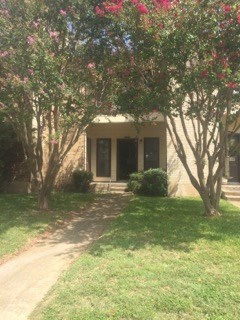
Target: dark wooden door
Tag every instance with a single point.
(127, 158)
(234, 158)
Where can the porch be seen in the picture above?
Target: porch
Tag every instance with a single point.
(116, 147)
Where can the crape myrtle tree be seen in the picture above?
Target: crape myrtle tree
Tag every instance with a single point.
(181, 58)
(47, 85)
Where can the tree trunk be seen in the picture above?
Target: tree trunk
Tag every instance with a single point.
(43, 200)
(210, 209)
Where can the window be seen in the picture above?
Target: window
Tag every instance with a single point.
(103, 157)
(151, 153)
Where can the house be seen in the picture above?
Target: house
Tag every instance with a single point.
(112, 147)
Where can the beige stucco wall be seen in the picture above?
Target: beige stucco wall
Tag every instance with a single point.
(179, 183)
(125, 130)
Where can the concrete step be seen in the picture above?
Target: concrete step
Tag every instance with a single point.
(233, 198)
(113, 187)
(232, 191)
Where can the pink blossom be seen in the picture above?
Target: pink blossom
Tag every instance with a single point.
(164, 4)
(63, 12)
(227, 8)
(113, 8)
(220, 76)
(117, 1)
(231, 85)
(204, 73)
(222, 25)
(91, 65)
(142, 8)
(134, 1)
(53, 141)
(31, 40)
(161, 25)
(25, 79)
(54, 35)
(31, 72)
(4, 54)
(225, 64)
(35, 24)
(99, 11)
(6, 13)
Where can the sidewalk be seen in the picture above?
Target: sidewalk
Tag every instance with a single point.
(25, 279)
(235, 203)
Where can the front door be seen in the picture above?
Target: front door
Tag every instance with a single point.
(127, 158)
(234, 158)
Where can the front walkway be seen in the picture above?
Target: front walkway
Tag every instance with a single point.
(25, 279)
(236, 203)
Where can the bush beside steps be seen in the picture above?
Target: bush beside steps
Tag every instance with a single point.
(152, 182)
(82, 180)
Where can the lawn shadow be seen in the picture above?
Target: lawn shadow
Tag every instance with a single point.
(174, 224)
(19, 213)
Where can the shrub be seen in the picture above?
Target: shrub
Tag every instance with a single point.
(82, 180)
(155, 182)
(135, 182)
(151, 182)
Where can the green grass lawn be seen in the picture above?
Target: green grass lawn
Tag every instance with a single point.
(20, 221)
(161, 259)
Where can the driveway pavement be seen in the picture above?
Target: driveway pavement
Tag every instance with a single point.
(26, 278)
